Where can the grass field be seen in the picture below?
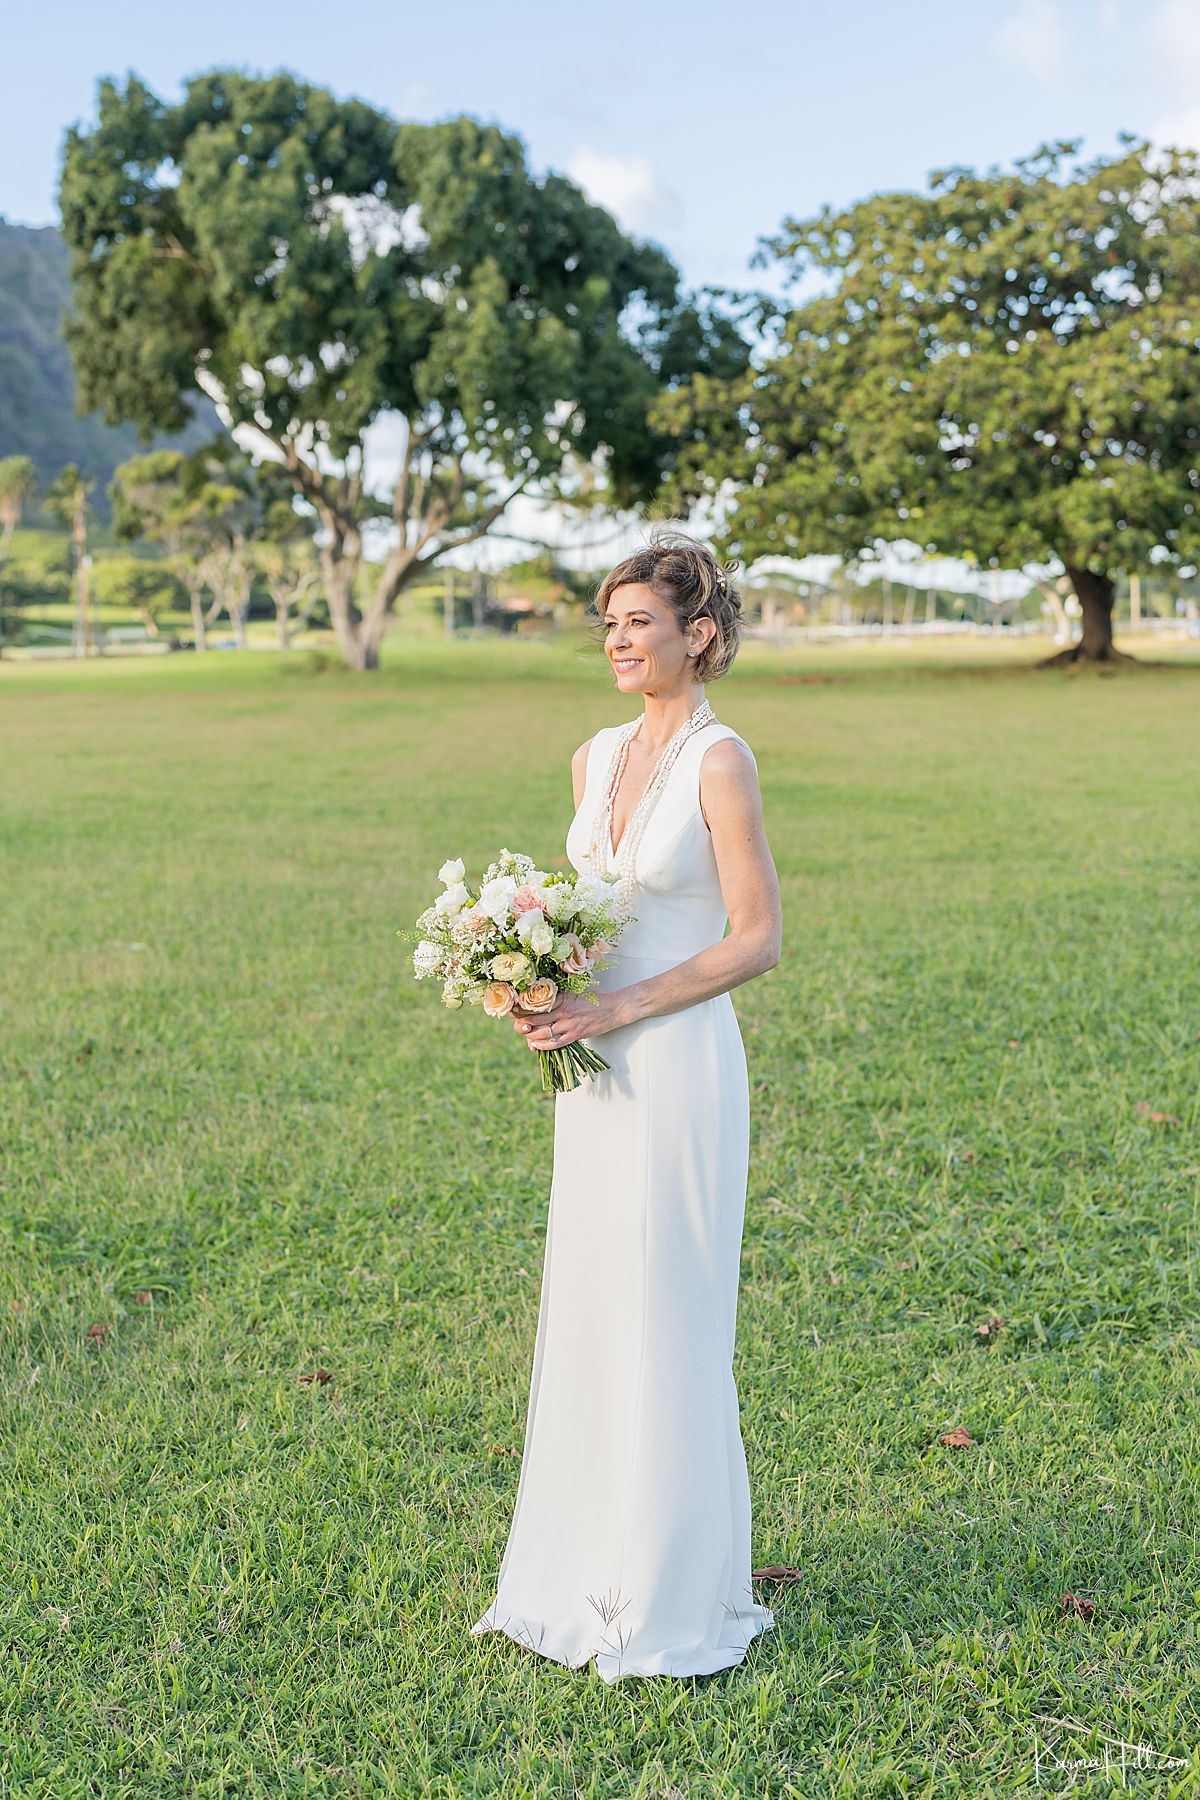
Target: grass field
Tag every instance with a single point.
(240, 1137)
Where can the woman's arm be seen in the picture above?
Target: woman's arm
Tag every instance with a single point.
(731, 803)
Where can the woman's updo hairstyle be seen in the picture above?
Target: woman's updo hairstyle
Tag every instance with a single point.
(694, 585)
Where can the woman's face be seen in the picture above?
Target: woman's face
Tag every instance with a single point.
(643, 642)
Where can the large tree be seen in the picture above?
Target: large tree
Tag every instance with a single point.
(1006, 366)
(313, 265)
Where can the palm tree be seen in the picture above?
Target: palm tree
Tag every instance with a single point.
(67, 498)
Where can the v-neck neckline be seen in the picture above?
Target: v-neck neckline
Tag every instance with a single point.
(614, 849)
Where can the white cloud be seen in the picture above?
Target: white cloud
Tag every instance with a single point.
(1034, 39)
(627, 185)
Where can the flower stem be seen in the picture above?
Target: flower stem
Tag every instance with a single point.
(563, 1070)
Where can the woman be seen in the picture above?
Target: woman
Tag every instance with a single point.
(630, 1538)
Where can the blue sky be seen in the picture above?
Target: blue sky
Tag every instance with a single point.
(700, 125)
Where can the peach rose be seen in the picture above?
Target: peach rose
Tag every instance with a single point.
(574, 960)
(524, 900)
(540, 995)
(499, 997)
(597, 951)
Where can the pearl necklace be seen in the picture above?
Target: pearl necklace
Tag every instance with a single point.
(626, 854)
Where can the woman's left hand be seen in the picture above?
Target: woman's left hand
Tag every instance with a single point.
(569, 1019)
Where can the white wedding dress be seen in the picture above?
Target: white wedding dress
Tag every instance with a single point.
(630, 1536)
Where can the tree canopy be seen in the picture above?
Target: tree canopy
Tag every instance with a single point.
(314, 265)
(1004, 367)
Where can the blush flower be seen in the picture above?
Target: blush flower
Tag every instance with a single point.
(571, 955)
(499, 997)
(540, 995)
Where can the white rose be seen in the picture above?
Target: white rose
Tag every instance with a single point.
(450, 872)
(495, 898)
(527, 922)
(453, 899)
(541, 939)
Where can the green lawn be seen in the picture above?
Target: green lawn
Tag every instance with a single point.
(242, 1138)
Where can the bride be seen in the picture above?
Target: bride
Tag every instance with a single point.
(630, 1536)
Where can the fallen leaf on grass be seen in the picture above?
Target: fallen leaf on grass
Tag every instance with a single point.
(905, 1264)
(958, 1439)
(989, 1329)
(1013, 1044)
(98, 1332)
(775, 1572)
(504, 1450)
(143, 1297)
(1077, 1604)
(321, 1375)
(1156, 1118)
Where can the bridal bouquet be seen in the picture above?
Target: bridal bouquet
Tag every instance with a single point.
(525, 937)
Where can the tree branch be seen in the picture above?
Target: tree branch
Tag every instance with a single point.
(468, 537)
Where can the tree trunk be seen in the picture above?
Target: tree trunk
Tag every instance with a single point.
(1062, 624)
(282, 638)
(239, 606)
(370, 636)
(199, 624)
(82, 569)
(1095, 593)
(339, 565)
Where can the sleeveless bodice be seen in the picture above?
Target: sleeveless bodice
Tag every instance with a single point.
(679, 903)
